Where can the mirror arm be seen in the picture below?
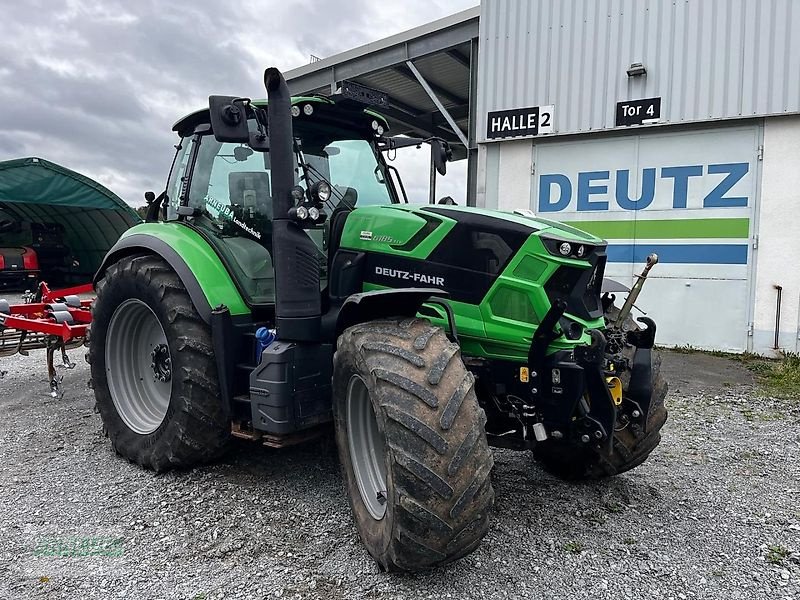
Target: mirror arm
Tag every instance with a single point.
(154, 208)
(399, 180)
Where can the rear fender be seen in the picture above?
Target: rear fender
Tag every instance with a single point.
(197, 265)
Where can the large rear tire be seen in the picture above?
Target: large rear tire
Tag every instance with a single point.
(412, 444)
(631, 445)
(153, 368)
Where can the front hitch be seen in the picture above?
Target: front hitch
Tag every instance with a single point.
(600, 411)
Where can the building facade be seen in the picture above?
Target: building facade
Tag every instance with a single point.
(663, 126)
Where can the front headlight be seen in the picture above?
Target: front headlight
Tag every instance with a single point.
(567, 248)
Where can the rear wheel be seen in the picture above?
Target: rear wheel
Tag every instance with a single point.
(153, 368)
(412, 444)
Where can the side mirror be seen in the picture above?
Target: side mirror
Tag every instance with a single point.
(447, 200)
(153, 206)
(441, 154)
(228, 119)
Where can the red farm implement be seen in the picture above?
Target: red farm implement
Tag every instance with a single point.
(54, 320)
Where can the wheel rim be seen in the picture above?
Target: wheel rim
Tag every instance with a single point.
(367, 448)
(138, 366)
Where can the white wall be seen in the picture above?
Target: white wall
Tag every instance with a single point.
(514, 183)
(706, 60)
(706, 305)
(779, 236)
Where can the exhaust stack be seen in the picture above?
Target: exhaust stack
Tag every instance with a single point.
(295, 258)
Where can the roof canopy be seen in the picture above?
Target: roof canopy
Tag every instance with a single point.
(427, 72)
(34, 191)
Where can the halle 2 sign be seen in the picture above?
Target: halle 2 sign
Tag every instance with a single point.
(519, 122)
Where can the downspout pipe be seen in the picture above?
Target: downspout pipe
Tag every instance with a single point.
(779, 289)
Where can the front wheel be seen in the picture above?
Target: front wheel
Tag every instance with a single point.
(412, 444)
(153, 368)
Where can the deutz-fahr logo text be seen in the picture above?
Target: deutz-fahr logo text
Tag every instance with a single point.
(409, 276)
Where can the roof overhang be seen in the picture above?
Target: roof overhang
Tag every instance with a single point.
(427, 72)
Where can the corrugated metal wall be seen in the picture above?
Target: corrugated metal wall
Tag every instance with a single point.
(707, 59)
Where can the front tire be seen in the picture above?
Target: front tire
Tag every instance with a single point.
(412, 444)
(153, 368)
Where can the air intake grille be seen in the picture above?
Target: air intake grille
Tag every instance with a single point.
(579, 288)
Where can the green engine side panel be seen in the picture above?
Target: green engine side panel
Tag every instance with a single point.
(211, 274)
(391, 229)
(503, 323)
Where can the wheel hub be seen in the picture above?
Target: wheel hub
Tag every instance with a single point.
(161, 363)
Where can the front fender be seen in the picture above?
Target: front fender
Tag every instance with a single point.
(367, 306)
(196, 263)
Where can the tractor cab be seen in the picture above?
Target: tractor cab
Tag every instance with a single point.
(224, 187)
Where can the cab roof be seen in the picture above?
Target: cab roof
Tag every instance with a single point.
(186, 125)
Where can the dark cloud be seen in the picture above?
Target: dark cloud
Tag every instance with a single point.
(96, 85)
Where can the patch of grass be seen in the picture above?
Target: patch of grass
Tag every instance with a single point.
(685, 349)
(689, 349)
(721, 354)
(778, 377)
(574, 547)
(748, 357)
(777, 554)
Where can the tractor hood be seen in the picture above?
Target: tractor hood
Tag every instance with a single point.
(502, 271)
(514, 219)
(422, 227)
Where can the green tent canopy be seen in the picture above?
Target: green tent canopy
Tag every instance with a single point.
(68, 218)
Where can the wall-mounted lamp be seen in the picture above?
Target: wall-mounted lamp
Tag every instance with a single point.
(636, 69)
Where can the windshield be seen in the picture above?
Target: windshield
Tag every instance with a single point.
(349, 164)
(230, 186)
(225, 172)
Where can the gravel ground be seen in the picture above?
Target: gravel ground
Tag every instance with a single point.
(697, 520)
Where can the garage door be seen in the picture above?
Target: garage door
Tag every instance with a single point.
(690, 197)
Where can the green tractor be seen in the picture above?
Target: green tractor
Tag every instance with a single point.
(282, 283)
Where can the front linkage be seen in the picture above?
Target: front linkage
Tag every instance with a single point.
(580, 397)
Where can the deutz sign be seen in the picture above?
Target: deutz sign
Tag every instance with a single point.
(520, 122)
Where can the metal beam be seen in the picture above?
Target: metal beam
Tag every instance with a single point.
(419, 125)
(456, 129)
(457, 112)
(472, 152)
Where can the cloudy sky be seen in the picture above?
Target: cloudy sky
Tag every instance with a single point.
(96, 85)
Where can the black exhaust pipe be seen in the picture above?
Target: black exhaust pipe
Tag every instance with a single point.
(281, 153)
(295, 257)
